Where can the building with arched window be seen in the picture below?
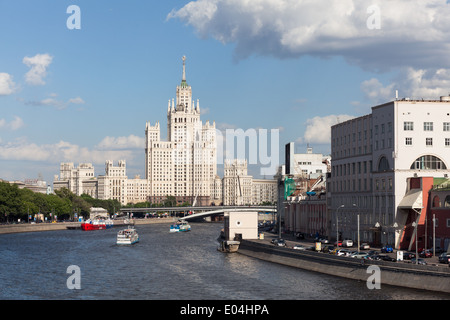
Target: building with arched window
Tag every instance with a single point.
(379, 165)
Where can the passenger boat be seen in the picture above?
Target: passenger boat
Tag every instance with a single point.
(96, 224)
(228, 246)
(127, 236)
(180, 226)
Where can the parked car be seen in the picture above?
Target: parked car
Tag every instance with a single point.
(344, 252)
(299, 235)
(438, 250)
(334, 251)
(347, 243)
(419, 261)
(338, 243)
(324, 240)
(387, 249)
(444, 257)
(279, 242)
(425, 254)
(359, 255)
(385, 257)
(328, 249)
(408, 255)
(299, 247)
(364, 246)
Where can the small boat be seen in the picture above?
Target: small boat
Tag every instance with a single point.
(228, 246)
(180, 226)
(127, 236)
(96, 224)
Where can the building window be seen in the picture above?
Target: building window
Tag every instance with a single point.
(408, 126)
(447, 142)
(428, 126)
(436, 202)
(446, 126)
(408, 141)
(428, 162)
(383, 164)
(429, 142)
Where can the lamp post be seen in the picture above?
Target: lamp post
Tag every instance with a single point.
(415, 225)
(434, 235)
(337, 224)
(357, 216)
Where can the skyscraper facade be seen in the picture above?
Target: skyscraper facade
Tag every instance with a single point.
(184, 165)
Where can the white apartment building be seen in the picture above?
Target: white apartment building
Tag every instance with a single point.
(78, 180)
(237, 184)
(185, 165)
(239, 188)
(373, 157)
(307, 164)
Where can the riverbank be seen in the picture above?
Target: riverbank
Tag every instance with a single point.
(430, 277)
(39, 227)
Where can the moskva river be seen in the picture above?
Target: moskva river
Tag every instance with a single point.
(75, 264)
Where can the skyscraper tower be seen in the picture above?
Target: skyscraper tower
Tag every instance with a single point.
(185, 165)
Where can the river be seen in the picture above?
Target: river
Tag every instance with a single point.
(162, 266)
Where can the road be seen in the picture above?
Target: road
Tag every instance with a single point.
(291, 241)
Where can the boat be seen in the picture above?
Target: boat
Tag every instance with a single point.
(127, 236)
(228, 246)
(96, 224)
(180, 226)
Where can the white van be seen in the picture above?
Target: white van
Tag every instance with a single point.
(347, 243)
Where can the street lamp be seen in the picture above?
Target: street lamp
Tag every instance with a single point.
(337, 224)
(415, 225)
(357, 208)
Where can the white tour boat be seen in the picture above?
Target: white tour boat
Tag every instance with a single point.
(127, 236)
(180, 226)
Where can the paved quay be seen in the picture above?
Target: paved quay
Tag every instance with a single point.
(432, 277)
(39, 227)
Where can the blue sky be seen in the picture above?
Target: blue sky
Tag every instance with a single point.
(296, 66)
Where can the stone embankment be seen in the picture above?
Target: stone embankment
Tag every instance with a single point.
(28, 227)
(429, 277)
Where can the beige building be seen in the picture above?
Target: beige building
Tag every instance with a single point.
(374, 158)
(185, 165)
(79, 179)
(239, 188)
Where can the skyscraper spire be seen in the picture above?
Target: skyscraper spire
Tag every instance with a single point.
(183, 80)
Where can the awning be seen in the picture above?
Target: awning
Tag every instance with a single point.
(412, 200)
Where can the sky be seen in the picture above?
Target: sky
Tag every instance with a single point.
(79, 79)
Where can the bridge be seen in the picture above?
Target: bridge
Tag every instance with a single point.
(204, 211)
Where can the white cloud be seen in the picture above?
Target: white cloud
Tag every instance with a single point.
(115, 143)
(76, 100)
(412, 33)
(318, 129)
(15, 124)
(410, 83)
(7, 85)
(53, 102)
(38, 64)
(62, 151)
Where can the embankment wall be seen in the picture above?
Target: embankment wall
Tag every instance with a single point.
(433, 278)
